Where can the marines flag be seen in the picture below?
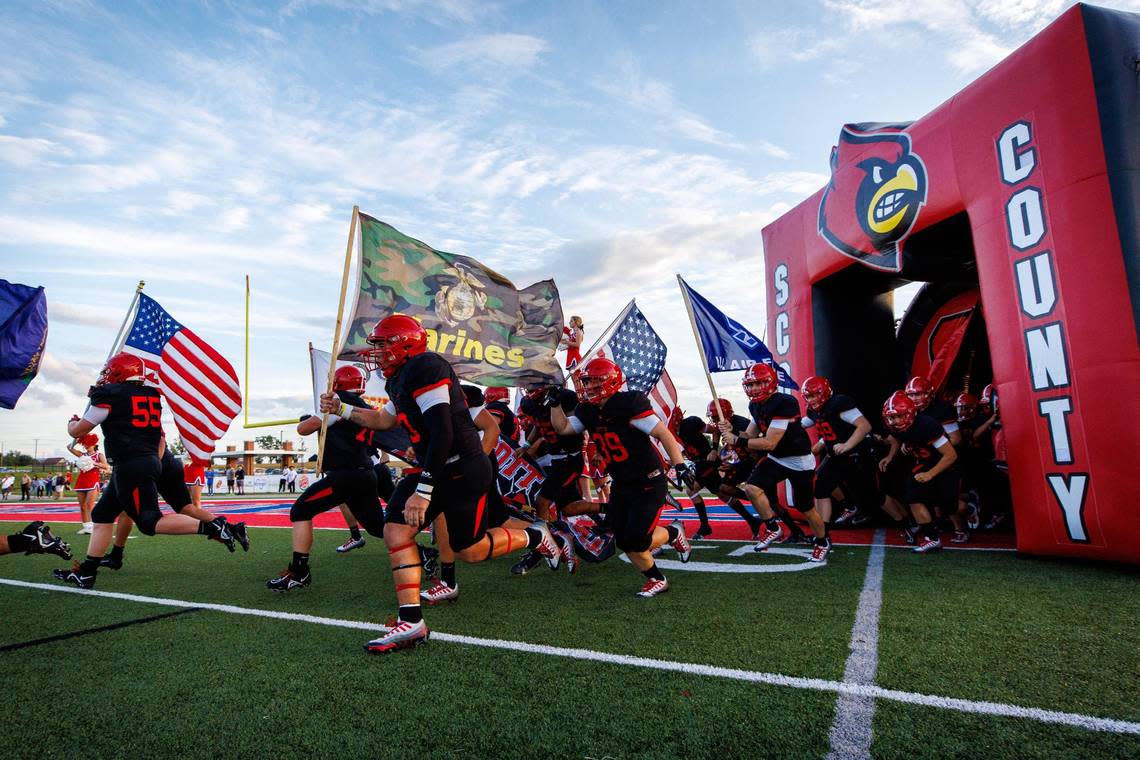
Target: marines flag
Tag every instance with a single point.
(197, 383)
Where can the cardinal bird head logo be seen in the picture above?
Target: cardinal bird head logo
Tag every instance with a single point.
(877, 188)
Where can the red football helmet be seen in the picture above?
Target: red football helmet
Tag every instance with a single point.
(899, 411)
(123, 368)
(349, 378)
(600, 378)
(496, 393)
(816, 391)
(760, 382)
(394, 338)
(988, 394)
(725, 409)
(921, 392)
(967, 406)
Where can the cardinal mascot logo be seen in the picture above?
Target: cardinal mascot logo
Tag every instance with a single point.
(877, 188)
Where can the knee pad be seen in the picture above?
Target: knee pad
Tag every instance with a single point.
(148, 522)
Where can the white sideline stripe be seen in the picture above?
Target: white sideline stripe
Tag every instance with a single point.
(851, 734)
(1089, 722)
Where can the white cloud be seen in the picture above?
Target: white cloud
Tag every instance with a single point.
(80, 314)
(434, 10)
(519, 51)
(26, 151)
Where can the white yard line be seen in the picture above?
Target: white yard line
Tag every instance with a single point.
(1090, 722)
(851, 730)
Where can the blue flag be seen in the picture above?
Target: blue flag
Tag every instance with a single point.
(728, 345)
(23, 334)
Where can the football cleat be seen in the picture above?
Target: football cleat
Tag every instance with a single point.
(240, 534)
(350, 544)
(76, 576)
(847, 516)
(85, 530)
(653, 587)
(440, 592)
(528, 562)
(910, 535)
(403, 636)
(960, 537)
(702, 532)
(927, 544)
(289, 579)
(114, 563)
(680, 543)
(995, 521)
(222, 533)
(819, 551)
(548, 547)
(43, 542)
(569, 554)
(767, 537)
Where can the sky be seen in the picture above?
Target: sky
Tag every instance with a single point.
(607, 145)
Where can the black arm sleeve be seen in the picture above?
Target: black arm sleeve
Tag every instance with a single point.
(440, 436)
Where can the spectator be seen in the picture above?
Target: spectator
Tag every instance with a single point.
(230, 478)
(210, 480)
(58, 486)
(291, 478)
(281, 483)
(6, 486)
(239, 476)
(25, 487)
(67, 481)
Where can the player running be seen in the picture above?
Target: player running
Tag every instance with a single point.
(426, 399)
(845, 448)
(622, 422)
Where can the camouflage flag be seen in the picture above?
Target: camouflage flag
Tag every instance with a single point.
(490, 331)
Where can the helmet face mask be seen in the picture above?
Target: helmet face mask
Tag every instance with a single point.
(394, 340)
(122, 368)
(760, 382)
(350, 378)
(920, 391)
(816, 391)
(600, 379)
(967, 406)
(899, 411)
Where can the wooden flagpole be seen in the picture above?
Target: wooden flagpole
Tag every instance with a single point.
(336, 331)
(700, 346)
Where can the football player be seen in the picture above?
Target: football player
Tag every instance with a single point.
(921, 391)
(130, 413)
(932, 482)
(776, 432)
(35, 538)
(708, 466)
(426, 399)
(564, 454)
(174, 489)
(92, 466)
(496, 400)
(843, 445)
(622, 423)
(348, 478)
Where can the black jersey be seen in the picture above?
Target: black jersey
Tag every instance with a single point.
(921, 440)
(133, 427)
(829, 420)
(627, 451)
(694, 442)
(505, 417)
(944, 413)
(540, 413)
(782, 409)
(430, 373)
(348, 446)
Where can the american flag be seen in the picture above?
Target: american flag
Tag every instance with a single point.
(639, 351)
(199, 386)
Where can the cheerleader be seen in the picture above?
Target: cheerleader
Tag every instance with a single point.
(92, 464)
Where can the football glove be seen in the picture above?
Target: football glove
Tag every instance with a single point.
(552, 397)
(685, 475)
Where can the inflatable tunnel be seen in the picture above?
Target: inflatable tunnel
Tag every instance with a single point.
(1019, 196)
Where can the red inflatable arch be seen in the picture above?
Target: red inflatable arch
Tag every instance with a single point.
(1025, 186)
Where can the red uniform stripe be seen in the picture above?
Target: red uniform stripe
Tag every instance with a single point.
(442, 383)
(655, 519)
(479, 513)
(320, 494)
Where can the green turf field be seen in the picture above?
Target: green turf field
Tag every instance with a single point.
(978, 626)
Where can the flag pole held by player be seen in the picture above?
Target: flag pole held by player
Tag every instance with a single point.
(120, 336)
(700, 346)
(336, 331)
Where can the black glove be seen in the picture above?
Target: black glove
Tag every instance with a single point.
(685, 475)
(552, 398)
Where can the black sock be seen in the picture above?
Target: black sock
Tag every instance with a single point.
(354, 531)
(702, 513)
(211, 528)
(822, 541)
(533, 537)
(772, 523)
(18, 542)
(117, 552)
(925, 529)
(653, 573)
(300, 561)
(673, 532)
(411, 613)
(447, 573)
(90, 565)
(738, 507)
